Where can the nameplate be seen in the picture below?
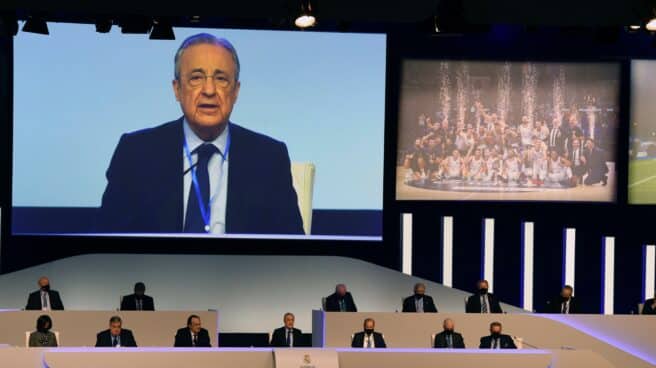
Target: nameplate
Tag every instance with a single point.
(305, 358)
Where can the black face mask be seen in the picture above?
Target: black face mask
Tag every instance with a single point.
(418, 296)
(448, 331)
(139, 295)
(563, 298)
(368, 331)
(45, 287)
(496, 334)
(482, 291)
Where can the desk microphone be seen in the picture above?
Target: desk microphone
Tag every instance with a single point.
(189, 169)
(525, 343)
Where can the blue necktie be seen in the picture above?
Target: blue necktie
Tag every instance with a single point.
(194, 220)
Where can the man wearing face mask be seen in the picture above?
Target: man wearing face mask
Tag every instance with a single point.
(497, 340)
(448, 338)
(564, 303)
(368, 339)
(340, 301)
(138, 301)
(44, 298)
(482, 301)
(419, 302)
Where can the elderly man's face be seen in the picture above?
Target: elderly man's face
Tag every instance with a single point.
(289, 321)
(207, 106)
(195, 325)
(115, 328)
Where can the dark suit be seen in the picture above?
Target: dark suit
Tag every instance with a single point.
(441, 340)
(145, 182)
(505, 341)
(596, 164)
(279, 337)
(474, 304)
(104, 339)
(358, 340)
(332, 303)
(129, 303)
(647, 307)
(429, 305)
(556, 306)
(183, 338)
(34, 301)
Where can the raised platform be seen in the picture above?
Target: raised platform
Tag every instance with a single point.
(265, 358)
(623, 340)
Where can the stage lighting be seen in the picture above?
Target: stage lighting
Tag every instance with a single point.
(36, 25)
(162, 31)
(634, 27)
(103, 25)
(305, 19)
(651, 25)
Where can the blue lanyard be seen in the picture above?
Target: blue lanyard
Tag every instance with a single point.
(205, 210)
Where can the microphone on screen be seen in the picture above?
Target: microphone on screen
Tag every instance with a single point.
(189, 169)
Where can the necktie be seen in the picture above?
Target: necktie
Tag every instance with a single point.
(289, 337)
(449, 341)
(194, 220)
(342, 306)
(194, 340)
(419, 305)
(44, 300)
(495, 343)
(484, 304)
(369, 341)
(114, 341)
(139, 307)
(564, 309)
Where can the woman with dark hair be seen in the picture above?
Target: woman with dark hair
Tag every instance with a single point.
(43, 337)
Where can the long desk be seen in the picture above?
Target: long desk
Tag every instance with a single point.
(79, 328)
(622, 339)
(264, 358)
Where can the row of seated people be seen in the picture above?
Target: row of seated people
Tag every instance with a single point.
(193, 335)
(340, 301)
(447, 339)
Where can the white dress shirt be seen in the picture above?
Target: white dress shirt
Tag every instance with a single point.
(218, 173)
(367, 338)
(45, 295)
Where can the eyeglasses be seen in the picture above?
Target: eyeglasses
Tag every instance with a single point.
(197, 79)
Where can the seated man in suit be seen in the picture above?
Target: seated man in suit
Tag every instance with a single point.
(497, 340)
(286, 336)
(138, 301)
(564, 303)
(116, 336)
(368, 338)
(449, 338)
(201, 173)
(482, 301)
(650, 306)
(192, 336)
(44, 298)
(340, 301)
(419, 302)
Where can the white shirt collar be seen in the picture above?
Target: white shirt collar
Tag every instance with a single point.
(193, 141)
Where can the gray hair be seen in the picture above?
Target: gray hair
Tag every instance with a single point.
(205, 38)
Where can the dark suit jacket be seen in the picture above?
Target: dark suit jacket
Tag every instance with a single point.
(409, 304)
(440, 340)
(183, 338)
(358, 340)
(505, 341)
(647, 307)
(34, 301)
(129, 303)
(145, 184)
(555, 306)
(474, 304)
(332, 303)
(104, 339)
(279, 337)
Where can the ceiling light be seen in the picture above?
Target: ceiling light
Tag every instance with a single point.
(305, 19)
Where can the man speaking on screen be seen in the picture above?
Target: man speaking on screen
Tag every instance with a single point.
(201, 173)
